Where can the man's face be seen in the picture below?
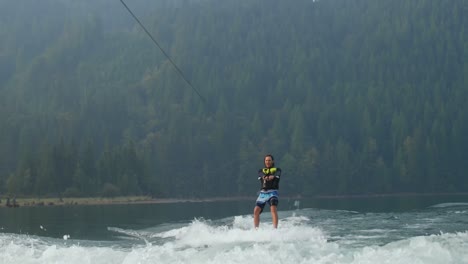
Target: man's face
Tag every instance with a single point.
(268, 162)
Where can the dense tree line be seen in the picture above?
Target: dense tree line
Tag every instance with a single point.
(351, 96)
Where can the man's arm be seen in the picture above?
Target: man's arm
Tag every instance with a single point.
(277, 174)
(260, 175)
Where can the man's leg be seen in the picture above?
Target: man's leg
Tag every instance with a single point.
(257, 212)
(274, 215)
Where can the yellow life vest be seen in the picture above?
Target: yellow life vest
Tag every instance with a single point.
(269, 171)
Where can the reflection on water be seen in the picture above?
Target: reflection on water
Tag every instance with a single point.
(92, 222)
(435, 234)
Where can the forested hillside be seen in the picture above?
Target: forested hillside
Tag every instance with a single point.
(351, 97)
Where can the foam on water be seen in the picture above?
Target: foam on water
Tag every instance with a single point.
(234, 241)
(444, 205)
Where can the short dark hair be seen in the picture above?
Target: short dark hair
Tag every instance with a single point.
(269, 155)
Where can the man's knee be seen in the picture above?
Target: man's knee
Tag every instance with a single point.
(274, 201)
(258, 210)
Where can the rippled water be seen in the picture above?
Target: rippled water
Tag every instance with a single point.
(433, 234)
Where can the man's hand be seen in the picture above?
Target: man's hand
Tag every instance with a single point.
(268, 178)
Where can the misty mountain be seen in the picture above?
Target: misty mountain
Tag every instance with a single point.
(355, 96)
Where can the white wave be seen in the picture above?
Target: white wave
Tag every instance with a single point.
(378, 230)
(296, 241)
(202, 234)
(444, 248)
(444, 205)
(130, 234)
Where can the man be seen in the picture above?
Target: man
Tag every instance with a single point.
(269, 178)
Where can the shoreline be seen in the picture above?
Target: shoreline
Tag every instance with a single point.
(83, 201)
(383, 195)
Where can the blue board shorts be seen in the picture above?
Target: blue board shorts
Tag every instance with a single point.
(270, 197)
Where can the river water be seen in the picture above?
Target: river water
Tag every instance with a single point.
(367, 230)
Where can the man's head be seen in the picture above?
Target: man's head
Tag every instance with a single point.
(269, 161)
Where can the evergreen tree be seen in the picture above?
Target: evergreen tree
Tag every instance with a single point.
(348, 103)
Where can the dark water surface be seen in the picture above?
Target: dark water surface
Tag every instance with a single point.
(92, 222)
